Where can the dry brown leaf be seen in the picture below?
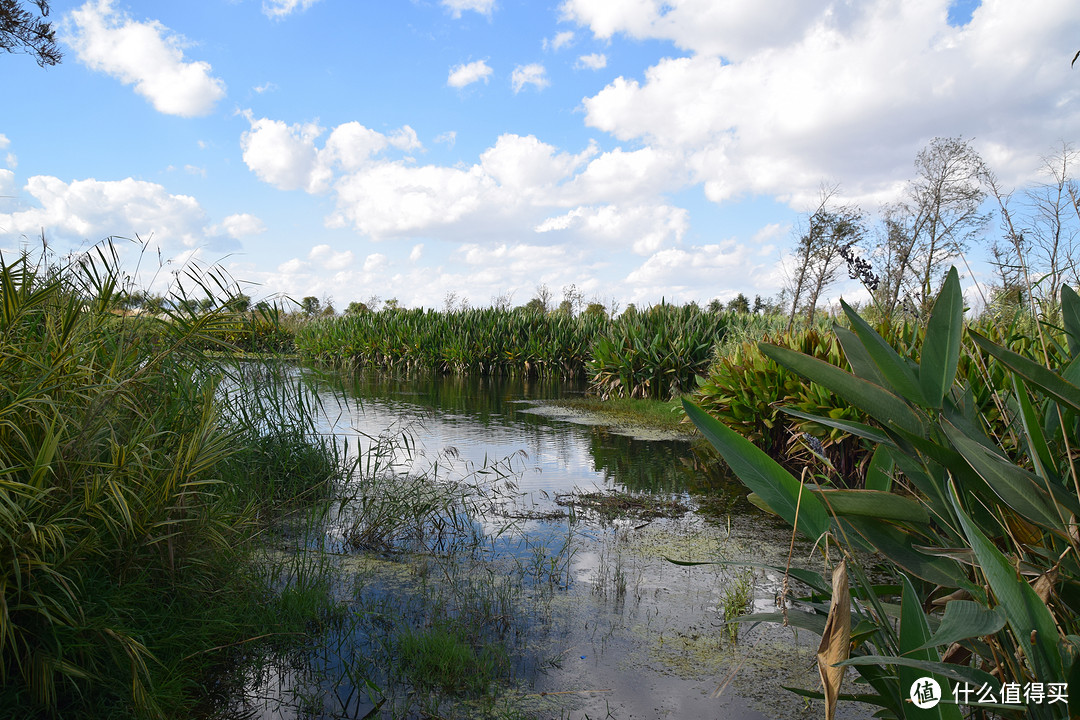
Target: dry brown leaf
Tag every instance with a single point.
(1044, 585)
(835, 640)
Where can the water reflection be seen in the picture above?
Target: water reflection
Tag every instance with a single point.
(577, 616)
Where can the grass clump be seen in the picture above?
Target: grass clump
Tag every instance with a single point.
(123, 506)
(444, 658)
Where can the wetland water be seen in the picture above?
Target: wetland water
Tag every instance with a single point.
(534, 594)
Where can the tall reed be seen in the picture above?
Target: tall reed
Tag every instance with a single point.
(119, 517)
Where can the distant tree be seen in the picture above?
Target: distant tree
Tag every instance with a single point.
(740, 304)
(391, 304)
(23, 30)
(934, 223)
(817, 261)
(450, 301)
(760, 306)
(595, 309)
(572, 299)
(503, 300)
(207, 304)
(328, 310)
(536, 305)
(715, 306)
(311, 305)
(1040, 244)
(356, 308)
(543, 294)
(239, 303)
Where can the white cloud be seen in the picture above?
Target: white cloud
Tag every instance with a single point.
(7, 188)
(330, 260)
(592, 61)
(283, 155)
(468, 73)
(417, 252)
(645, 228)
(456, 7)
(241, 224)
(280, 9)
(449, 138)
(95, 209)
(561, 40)
(730, 29)
(265, 87)
(9, 158)
(404, 138)
(533, 74)
(375, 262)
(680, 274)
(847, 91)
(144, 54)
(286, 155)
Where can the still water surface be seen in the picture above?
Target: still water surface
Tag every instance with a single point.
(594, 619)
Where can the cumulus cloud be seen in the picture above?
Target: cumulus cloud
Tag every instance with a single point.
(456, 7)
(468, 73)
(330, 260)
(774, 96)
(533, 74)
(240, 225)
(645, 228)
(94, 209)
(144, 54)
(287, 157)
(592, 61)
(280, 9)
(680, 274)
(417, 252)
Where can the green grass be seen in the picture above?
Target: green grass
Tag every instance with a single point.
(637, 412)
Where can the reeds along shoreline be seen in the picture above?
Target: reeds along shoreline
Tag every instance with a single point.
(124, 499)
(654, 353)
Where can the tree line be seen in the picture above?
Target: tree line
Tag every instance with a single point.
(940, 214)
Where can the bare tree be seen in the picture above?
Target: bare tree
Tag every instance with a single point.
(817, 261)
(1051, 230)
(937, 219)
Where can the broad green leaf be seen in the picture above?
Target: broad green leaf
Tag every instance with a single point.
(901, 379)
(1070, 312)
(941, 347)
(878, 403)
(898, 546)
(1029, 619)
(857, 429)
(860, 361)
(914, 632)
(763, 475)
(795, 618)
(1016, 487)
(879, 475)
(965, 619)
(959, 673)
(874, 504)
(1037, 374)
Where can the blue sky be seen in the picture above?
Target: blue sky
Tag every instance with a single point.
(638, 149)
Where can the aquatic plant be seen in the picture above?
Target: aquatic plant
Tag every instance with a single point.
(978, 526)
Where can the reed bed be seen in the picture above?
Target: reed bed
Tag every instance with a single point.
(124, 502)
(487, 341)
